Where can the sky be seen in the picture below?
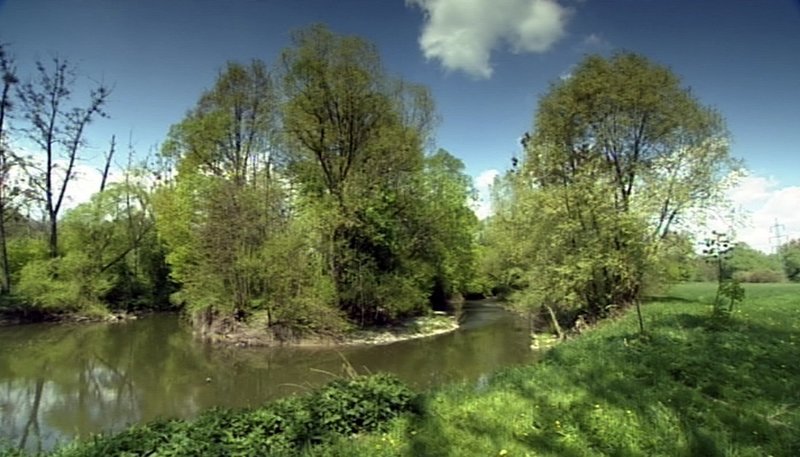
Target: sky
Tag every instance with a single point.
(486, 63)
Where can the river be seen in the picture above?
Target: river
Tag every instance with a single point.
(61, 381)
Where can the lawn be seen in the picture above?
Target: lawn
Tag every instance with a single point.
(693, 386)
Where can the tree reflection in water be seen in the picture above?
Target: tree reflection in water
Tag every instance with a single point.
(62, 381)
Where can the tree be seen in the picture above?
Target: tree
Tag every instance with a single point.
(225, 201)
(354, 143)
(58, 130)
(9, 77)
(447, 190)
(750, 265)
(790, 255)
(619, 154)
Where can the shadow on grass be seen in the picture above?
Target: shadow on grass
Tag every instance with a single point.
(728, 384)
(692, 386)
(669, 299)
(430, 440)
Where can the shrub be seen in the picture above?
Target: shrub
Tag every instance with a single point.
(356, 405)
(759, 276)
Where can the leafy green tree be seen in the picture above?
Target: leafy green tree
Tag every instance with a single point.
(225, 200)
(790, 255)
(452, 224)
(750, 265)
(354, 148)
(620, 152)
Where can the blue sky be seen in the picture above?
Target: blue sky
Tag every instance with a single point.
(486, 62)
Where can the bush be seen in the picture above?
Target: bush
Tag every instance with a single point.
(759, 276)
(346, 407)
(66, 283)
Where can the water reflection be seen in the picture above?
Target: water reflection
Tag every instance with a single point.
(61, 381)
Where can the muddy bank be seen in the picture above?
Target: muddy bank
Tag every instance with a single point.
(9, 318)
(255, 334)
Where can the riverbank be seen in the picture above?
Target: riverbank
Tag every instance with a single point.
(22, 318)
(252, 334)
(692, 385)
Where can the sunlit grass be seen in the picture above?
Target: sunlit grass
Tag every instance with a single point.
(693, 386)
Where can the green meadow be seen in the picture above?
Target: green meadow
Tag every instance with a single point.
(693, 385)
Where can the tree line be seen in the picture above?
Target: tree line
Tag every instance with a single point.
(305, 196)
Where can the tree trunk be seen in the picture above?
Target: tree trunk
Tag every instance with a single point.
(53, 243)
(554, 321)
(639, 315)
(5, 287)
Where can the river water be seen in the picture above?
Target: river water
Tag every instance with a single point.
(59, 381)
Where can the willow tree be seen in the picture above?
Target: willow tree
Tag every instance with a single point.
(619, 154)
(354, 149)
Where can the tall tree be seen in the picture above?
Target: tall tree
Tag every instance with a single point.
(354, 141)
(452, 225)
(225, 201)
(58, 129)
(619, 153)
(9, 77)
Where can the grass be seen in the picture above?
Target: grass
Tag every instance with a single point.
(692, 386)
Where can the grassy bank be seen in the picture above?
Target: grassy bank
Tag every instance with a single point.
(692, 387)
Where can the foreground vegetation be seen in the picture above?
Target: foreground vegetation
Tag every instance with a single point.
(693, 385)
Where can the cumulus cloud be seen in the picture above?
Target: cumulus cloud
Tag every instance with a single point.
(462, 34)
(765, 202)
(482, 206)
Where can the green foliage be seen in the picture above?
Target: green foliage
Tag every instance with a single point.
(23, 250)
(67, 283)
(285, 427)
(681, 390)
(790, 255)
(749, 265)
(349, 406)
(354, 142)
(733, 291)
(619, 153)
(291, 202)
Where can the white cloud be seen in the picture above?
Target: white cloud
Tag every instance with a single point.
(593, 42)
(765, 203)
(482, 206)
(85, 181)
(462, 34)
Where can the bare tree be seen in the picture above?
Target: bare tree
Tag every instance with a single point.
(107, 166)
(58, 129)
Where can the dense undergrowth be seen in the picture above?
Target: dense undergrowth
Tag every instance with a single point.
(693, 385)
